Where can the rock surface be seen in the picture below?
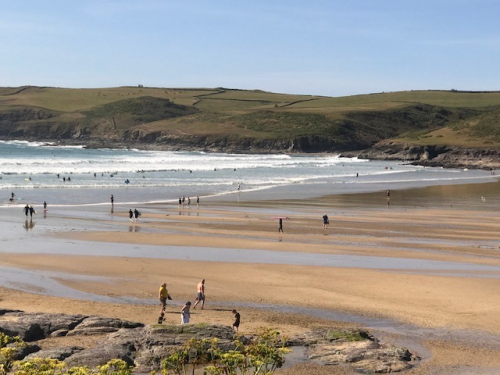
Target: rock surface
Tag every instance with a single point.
(433, 156)
(146, 346)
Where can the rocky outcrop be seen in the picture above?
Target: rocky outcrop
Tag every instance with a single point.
(145, 346)
(357, 348)
(433, 156)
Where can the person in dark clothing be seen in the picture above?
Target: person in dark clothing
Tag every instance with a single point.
(32, 210)
(136, 215)
(26, 210)
(326, 221)
(112, 199)
(236, 323)
(131, 215)
(280, 229)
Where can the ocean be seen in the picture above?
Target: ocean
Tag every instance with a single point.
(73, 175)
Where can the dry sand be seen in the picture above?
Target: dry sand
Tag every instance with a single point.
(463, 312)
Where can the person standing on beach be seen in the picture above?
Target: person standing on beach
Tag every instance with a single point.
(26, 210)
(388, 197)
(185, 313)
(131, 215)
(136, 215)
(189, 202)
(163, 296)
(180, 202)
(200, 294)
(280, 229)
(183, 200)
(112, 199)
(12, 196)
(32, 210)
(44, 205)
(197, 201)
(326, 221)
(236, 323)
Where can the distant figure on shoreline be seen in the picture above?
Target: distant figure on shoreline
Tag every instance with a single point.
(200, 294)
(112, 199)
(239, 186)
(44, 205)
(189, 202)
(131, 215)
(236, 323)
(197, 201)
(136, 215)
(26, 210)
(388, 197)
(326, 221)
(12, 196)
(180, 202)
(280, 229)
(32, 210)
(185, 313)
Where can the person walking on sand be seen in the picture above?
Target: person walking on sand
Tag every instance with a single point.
(44, 205)
(32, 210)
(236, 323)
(388, 197)
(326, 221)
(26, 210)
(200, 294)
(189, 202)
(136, 215)
(131, 215)
(185, 313)
(280, 229)
(163, 296)
(112, 199)
(180, 202)
(197, 201)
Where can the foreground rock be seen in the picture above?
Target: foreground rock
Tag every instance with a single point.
(146, 346)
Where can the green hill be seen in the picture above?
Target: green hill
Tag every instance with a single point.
(248, 120)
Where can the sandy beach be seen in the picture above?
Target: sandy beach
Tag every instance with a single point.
(422, 271)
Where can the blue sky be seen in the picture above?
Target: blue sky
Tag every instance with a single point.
(317, 47)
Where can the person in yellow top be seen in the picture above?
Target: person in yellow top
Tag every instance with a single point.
(163, 296)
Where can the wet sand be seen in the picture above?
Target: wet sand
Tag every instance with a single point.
(423, 271)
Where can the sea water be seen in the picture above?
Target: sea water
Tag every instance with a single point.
(74, 175)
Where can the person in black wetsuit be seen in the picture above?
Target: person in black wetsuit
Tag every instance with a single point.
(280, 229)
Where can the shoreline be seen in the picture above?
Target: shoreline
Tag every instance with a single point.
(418, 225)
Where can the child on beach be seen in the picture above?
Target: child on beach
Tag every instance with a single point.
(236, 323)
(185, 314)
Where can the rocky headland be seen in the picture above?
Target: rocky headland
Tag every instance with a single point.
(144, 346)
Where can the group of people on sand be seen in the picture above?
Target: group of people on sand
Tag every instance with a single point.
(164, 296)
(29, 210)
(183, 201)
(134, 215)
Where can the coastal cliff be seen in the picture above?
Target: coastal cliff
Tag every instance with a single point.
(433, 155)
(434, 128)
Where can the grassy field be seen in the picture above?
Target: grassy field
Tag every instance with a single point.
(420, 117)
